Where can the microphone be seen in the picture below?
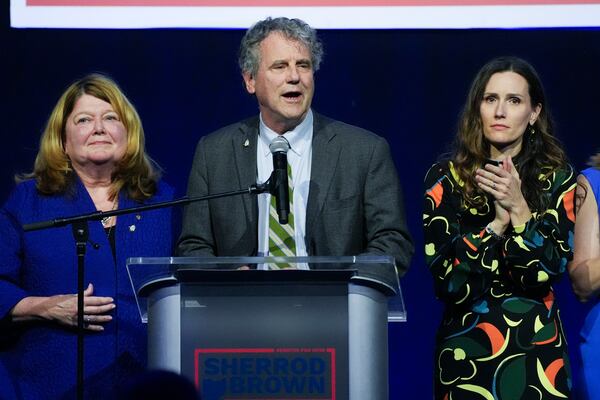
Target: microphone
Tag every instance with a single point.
(279, 186)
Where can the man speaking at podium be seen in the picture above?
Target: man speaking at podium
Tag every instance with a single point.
(343, 196)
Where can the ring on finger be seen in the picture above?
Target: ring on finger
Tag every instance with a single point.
(493, 185)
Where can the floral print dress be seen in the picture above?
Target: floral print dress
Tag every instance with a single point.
(501, 337)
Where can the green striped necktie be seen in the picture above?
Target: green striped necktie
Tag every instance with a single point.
(281, 237)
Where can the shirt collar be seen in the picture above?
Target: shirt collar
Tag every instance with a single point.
(299, 138)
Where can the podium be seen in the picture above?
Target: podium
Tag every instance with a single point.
(316, 331)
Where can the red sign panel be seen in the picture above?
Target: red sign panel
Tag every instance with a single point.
(266, 373)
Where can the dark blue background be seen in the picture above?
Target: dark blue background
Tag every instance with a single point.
(406, 85)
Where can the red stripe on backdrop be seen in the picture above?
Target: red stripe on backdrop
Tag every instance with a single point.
(301, 3)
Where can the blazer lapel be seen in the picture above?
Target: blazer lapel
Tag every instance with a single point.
(244, 150)
(325, 154)
(83, 203)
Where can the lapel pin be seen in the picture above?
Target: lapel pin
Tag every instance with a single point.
(247, 143)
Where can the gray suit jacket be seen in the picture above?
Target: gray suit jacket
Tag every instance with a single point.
(354, 206)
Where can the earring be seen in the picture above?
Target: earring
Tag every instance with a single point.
(531, 133)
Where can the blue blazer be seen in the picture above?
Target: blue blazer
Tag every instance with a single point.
(40, 357)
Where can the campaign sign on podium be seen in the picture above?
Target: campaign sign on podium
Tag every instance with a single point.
(261, 334)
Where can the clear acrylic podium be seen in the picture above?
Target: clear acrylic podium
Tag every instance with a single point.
(313, 334)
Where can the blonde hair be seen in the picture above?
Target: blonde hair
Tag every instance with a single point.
(135, 172)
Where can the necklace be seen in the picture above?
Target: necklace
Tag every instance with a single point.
(106, 220)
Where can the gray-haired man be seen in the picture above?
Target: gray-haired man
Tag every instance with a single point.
(346, 197)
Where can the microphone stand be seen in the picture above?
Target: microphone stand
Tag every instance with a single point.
(79, 224)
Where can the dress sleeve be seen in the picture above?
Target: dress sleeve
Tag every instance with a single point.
(11, 261)
(462, 263)
(538, 252)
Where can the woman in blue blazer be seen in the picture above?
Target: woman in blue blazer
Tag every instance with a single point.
(91, 157)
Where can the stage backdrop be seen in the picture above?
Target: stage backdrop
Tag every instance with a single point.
(319, 13)
(407, 85)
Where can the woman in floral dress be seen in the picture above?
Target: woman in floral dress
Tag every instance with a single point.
(498, 220)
